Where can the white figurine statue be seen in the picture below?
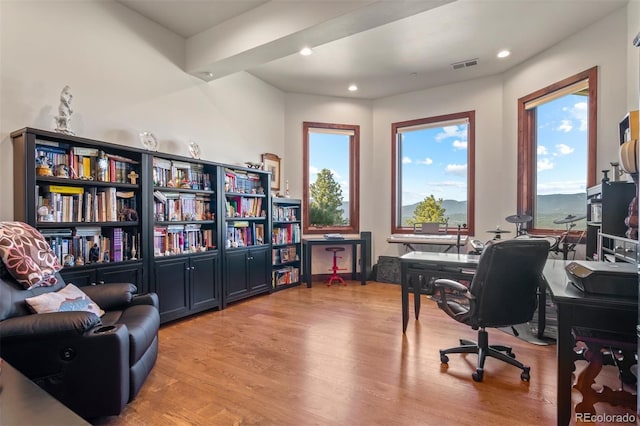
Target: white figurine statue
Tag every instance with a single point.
(64, 112)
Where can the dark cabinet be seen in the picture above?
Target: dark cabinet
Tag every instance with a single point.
(607, 208)
(246, 273)
(187, 284)
(103, 274)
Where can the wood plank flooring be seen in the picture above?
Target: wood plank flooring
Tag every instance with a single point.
(335, 356)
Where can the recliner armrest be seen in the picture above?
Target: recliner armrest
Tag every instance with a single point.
(46, 325)
(146, 299)
(111, 297)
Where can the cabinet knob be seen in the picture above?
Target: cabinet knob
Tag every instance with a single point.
(101, 282)
(193, 267)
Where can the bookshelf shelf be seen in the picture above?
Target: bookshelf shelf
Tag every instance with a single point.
(79, 192)
(286, 253)
(83, 190)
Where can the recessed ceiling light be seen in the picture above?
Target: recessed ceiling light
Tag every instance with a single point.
(306, 51)
(207, 74)
(353, 87)
(503, 53)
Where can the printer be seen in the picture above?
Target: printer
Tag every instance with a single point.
(606, 278)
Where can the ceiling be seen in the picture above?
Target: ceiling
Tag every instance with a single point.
(385, 47)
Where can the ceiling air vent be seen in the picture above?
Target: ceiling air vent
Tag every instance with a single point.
(465, 64)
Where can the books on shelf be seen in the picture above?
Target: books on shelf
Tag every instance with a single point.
(244, 234)
(78, 204)
(92, 245)
(284, 255)
(180, 174)
(179, 239)
(285, 276)
(286, 234)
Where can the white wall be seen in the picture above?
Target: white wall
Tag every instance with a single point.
(125, 75)
(300, 108)
(633, 55)
(494, 99)
(484, 96)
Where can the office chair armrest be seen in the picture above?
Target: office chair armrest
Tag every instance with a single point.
(450, 284)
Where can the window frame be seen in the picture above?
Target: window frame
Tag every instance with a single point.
(527, 144)
(395, 181)
(354, 179)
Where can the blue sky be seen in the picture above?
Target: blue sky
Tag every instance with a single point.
(330, 151)
(434, 161)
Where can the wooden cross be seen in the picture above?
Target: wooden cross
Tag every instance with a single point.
(133, 176)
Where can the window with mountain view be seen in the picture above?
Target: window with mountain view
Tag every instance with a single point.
(433, 172)
(330, 182)
(557, 149)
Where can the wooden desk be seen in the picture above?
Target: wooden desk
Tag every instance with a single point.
(577, 309)
(427, 265)
(22, 402)
(307, 251)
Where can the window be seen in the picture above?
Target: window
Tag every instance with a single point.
(331, 178)
(557, 151)
(432, 162)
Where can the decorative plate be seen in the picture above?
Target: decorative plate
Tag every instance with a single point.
(194, 149)
(149, 141)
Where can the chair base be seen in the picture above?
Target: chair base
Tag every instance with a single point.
(484, 350)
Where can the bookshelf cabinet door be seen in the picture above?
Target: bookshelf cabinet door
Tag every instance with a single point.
(205, 288)
(172, 286)
(127, 273)
(235, 275)
(259, 268)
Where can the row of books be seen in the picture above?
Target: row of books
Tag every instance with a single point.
(285, 214)
(284, 255)
(179, 174)
(242, 182)
(88, 163)
(59, 203)
(93, 245)
(179, 239)
(285, 276)
(181, 206)
(286, 234)
(244, 234)
(238, 206)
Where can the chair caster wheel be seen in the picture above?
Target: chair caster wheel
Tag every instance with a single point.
(444, 359)
(525, 375)
(477, 375)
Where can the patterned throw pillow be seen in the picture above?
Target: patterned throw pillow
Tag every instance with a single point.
(27, 255)
(69, 298)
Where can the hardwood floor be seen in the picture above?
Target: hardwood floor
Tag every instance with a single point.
(335, 356)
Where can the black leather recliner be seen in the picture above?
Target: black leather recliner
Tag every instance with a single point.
(92, 365)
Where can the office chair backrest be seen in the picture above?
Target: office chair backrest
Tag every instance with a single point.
(506, 281)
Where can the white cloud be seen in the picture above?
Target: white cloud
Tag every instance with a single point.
(579, 112)
(542, 150)
(427, 161)
(452, 132)
(565, 126)
(457, 144)
(456, 169)
(313, 170)
(563, 149)
(544, 164)
(406, 160)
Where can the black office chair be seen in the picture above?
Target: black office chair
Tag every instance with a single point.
(503, 292)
